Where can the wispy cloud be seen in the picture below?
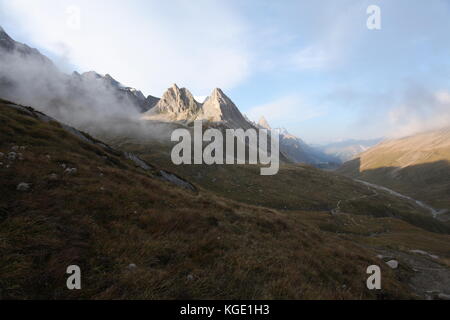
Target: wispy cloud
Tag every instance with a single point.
(419, 110)
(199, 46)
(291, 108)
(311, 58)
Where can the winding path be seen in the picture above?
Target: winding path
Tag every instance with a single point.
(421, 204)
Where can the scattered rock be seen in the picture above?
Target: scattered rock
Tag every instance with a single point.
(23, 186)
(2, 154)
(393, 264)
(53, 177)
(48, 156)
(15, 148)
(63, 165)
(12, 156)
(71, 171)
(23, 148)
(132, 266)
(443, 296)
(190, 277)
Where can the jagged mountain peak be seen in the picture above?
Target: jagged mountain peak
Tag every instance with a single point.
(175, 104)
(263, 123)
(218, 107)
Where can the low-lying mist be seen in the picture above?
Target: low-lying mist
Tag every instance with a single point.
(87, 102)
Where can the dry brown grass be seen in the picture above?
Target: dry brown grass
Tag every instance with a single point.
(186, 245)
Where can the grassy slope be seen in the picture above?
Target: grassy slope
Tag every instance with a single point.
(111, 214)
(295, 187)
(418, 166)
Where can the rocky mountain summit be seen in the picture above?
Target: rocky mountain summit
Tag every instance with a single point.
(180, 105)
(175, 104)
(219, 108)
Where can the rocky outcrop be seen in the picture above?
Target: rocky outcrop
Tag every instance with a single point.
(175, 104)
(219, 108)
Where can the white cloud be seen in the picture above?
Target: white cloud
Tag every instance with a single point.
(311, 58)
(148, 46)
(417, 114)
(285, 109)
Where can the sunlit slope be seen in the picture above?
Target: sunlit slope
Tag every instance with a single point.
(418, 166)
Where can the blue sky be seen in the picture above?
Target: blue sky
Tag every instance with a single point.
(310, 66)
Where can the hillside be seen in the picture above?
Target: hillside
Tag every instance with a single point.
(139, 232)
(294, 187)
(418, 166)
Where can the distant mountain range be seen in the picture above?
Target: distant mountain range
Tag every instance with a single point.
(299, 151)
(348, 149)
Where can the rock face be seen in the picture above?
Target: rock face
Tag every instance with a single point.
(219, 108)
(175, 104)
